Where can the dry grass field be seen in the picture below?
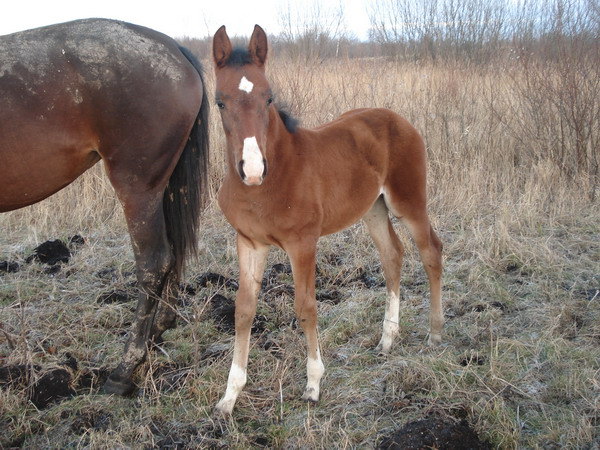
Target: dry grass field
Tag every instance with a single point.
(520, 365)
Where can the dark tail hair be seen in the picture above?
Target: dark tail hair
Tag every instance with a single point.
(186, 193)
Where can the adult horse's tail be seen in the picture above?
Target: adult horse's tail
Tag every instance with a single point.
(187, 190)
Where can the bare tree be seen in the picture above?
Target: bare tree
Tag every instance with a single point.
(438, 28)
(314, 31)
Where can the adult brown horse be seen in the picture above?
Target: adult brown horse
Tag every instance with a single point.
(76, 93)
(287, 187)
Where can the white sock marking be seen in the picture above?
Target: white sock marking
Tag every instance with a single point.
(314, 372)
(253, 161)
(246, 85)
(390, 322)
(235, 383)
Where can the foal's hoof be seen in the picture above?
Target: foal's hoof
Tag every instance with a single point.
(224, 408)
(122, 388)
(310, 395)
(434, 340)
(382, 350)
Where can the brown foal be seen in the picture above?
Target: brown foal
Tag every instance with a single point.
(287, 187)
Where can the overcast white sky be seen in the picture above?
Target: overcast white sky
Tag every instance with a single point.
(177, 18)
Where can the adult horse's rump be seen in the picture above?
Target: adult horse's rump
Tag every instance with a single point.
(75, 93)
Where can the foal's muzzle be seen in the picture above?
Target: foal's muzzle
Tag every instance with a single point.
(252, 167)
(252, 180)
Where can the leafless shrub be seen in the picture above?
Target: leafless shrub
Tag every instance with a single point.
(439, 29)
(557, 77)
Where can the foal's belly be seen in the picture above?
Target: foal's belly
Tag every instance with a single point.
(347, 218)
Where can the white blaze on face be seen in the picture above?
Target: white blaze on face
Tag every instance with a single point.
(253, 161)
(246, 85)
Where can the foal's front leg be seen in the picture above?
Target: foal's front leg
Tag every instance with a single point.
(252, 257)
(303, 258)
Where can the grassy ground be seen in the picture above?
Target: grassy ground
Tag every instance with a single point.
(521, 357)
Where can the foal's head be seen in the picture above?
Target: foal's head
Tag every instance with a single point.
(244, 99)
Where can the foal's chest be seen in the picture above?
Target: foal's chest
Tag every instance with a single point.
(271, 219)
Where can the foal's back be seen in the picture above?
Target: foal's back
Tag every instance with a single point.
(347, 163)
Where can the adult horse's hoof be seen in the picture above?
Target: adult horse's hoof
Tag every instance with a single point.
(122, 388)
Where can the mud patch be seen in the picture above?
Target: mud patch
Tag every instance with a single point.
(9, 266)
(434, 433)
(84, 421)
(329, 296)
(214, 351)
(52, 386)
(44, 388)
(115, 296)
(170, 377)
(216, 280)
(273, 347)
(273, 273)
(171, 436)
(92, 379)
(348, 276)
(473, 359)
(17, 375)
(223, 313)
(276, 290)
(113, 274)
(76, 241)
(369, 280)
(51, 253)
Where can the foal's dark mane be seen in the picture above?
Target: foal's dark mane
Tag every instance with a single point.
(291, 123)
(239, 57)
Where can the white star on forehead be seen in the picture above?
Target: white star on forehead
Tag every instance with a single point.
(246, 85)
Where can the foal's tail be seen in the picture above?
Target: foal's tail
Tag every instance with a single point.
(187, 190)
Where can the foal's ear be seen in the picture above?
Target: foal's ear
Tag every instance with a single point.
(258, 46)
(221, 47)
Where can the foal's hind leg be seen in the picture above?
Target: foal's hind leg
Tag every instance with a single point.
(391, 252)
(430, 249)
(154, 266)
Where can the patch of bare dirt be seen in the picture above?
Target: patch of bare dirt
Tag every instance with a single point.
(442, 434)
(51, 253)
(44, 387)
(9, 266)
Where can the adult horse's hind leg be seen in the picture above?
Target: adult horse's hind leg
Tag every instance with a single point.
(391, 252)
(154, 266)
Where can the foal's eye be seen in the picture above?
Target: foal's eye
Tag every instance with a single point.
(221, 105)
(269, 101)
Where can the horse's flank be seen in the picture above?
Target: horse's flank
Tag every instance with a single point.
(327, 178)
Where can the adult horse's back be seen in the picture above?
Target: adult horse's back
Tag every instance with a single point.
(75, 93)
